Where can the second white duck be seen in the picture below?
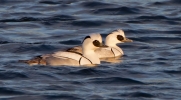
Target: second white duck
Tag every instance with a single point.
(111, 41)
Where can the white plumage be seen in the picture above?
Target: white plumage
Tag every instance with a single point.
(111, 41)
(88, 57)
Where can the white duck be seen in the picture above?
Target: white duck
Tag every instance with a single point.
(89, 57)
(111, 41)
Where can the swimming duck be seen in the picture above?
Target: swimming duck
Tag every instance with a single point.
(111, 41)
(88, 57)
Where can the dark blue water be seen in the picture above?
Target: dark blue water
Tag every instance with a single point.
(150, 68)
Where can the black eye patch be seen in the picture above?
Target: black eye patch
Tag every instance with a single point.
(96, 43)
(120, 37)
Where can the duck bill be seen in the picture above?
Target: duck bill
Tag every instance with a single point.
(127, 40)
(103, 45)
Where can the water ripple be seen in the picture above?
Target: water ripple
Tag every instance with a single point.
(23, 19)
(152, 17)
(71, 42)
(53, 19)
(9, 91)
(34, 48)
(88, 23)
(95, 4)
(49, 2)
(57, 2)
(139, 94)
(12, 75)
(116, 80)
(63, 96)
(4, 42)
(173, 72)
(117, 11)
(87, 71)
(159, 39)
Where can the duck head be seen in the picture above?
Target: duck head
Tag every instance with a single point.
(92, 42)
(116, 37)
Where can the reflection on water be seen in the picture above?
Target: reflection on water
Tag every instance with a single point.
(112, 59)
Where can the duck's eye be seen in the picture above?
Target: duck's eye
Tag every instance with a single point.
(120, 37)
(96, 43)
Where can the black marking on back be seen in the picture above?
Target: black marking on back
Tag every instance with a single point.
(120, 37)
(73, 50)
(39, 59)
(36, 59)
(86, 38)
(85, 58)
(89, 60)
(80, 60)
(117, 50)
(113, 52)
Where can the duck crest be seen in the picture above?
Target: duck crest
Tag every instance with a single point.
(86, 38)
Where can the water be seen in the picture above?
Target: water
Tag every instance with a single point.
(150, 68)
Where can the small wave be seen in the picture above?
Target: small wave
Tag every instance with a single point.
(35, 48)
(56, 19)
(49, 2)
(71, 42)
(152, 17)
(117, 11)
(163, 19)
(171, 22)
(167, 2)
(46, 21)
(133, 21)
(173, 32)
(143, 31)
(159, 3)
(9, 91)
(60, 18)
(62, 2)
(4, 42)
(88, 23)
(139, 94)
(95, 4)
(162, 59)
(12, 75)
(177, 47)
(87, 71)
(159, 39)
(173, 72)
(23, 19)
(116, 80)
(63, 97)
(175, 1)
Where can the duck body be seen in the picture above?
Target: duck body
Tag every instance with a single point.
(111, 41)
(66, 58)
(101, 52)
(88, 56)
(109, 52)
